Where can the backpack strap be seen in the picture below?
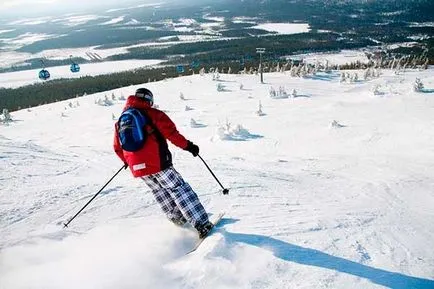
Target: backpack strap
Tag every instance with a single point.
(154, 129)
(165, 155)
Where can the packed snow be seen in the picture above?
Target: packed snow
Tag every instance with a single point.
(154, 5)
(244, 19)
(331, 188)
(336, 58)
(422, 24)
(6, 30)
(114, 20)
(24, 39)
(284, 28)
(31, 21)
(69, 20)
(208, 16)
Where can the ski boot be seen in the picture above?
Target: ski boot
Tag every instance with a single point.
(204, 229)
(178, 222)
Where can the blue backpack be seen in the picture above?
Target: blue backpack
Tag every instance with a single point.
(131, 129)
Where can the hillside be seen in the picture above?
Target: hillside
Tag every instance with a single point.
(332, 188)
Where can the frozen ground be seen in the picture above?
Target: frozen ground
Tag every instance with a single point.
(311, 205)
(337, 58)
(284, 28)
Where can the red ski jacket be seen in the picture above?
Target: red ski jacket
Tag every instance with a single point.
(155, 155)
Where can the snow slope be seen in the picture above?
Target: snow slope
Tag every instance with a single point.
(311, 205)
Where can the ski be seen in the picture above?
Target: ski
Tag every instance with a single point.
(214, 223)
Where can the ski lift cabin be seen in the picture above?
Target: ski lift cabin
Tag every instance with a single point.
(44, 74)
(180, 69)
(75, 67)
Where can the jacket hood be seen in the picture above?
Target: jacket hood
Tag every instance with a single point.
(135, 102)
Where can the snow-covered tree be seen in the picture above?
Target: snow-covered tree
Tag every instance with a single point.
(317, 67)
(107, 101)
(202, 71)
(187, 108)
(220, 87)
(418, 85)
(216, 76)
(6, 116)
(282, 92)
(393, 63)
(181, 96)
(377, 90)
(294, 93)
(241, 86)
(303, 71)
(272, 92)
(229, 132)
(193, 123)
(367, 73)
(294, 71)
(259, 111)
(335, 124)
(425, 65)
(327, 68)
(343, 77)
(355, 77)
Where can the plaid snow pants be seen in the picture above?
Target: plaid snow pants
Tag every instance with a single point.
(176, 198)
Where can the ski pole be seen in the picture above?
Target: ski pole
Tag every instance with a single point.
(70, 220)
(225, 191)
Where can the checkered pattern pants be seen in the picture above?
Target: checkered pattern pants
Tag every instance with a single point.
(176, 198)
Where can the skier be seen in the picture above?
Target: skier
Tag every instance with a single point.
(153, 164)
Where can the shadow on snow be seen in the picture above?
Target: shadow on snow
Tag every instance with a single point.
(323, 76)
(306, 256)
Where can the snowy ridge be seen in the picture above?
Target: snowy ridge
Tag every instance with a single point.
(312, 204)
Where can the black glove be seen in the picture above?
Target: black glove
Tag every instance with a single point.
(192, 148)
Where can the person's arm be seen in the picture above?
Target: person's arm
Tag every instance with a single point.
(168, 129)
(117, 145)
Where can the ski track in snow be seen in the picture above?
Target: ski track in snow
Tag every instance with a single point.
(310, 205)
